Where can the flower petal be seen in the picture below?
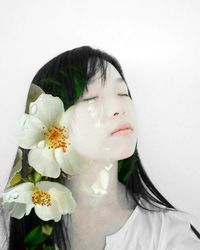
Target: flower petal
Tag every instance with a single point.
(17, 166)
(46, 185)
(21, 193)
(34, 92)
(48, 213)
(29, 208)
(47, 108)
(61, 194)
(32, 131)
(19, 154)
(64, 200)
(44, 162)
(67, 116)
(69, 161)
(17, 210)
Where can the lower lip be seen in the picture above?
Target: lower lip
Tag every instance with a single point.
(123, 132)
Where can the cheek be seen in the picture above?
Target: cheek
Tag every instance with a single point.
(85, 135)
(133, 119)
(131, 114)
(87, 121)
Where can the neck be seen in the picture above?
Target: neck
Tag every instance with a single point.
(80, 186)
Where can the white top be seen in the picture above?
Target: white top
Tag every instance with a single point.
(144, 230)
(160, 230)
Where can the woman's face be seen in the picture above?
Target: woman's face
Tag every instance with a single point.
(94, 120)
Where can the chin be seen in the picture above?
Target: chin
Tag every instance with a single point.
(126, 152)
(125, 156)
(122, 155)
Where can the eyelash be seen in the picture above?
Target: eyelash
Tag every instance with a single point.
(88, 99)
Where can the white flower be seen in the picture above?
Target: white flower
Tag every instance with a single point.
(45, 130)
(14, 175)
(50, 200)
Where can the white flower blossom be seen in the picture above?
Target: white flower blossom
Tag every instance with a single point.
(45, 131)
(50, 200)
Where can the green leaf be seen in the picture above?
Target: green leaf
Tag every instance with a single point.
(36, 236)
(36, 176)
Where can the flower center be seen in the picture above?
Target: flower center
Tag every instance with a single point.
(41, 197)
(57, 137)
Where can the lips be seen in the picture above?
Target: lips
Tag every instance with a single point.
(121, 128)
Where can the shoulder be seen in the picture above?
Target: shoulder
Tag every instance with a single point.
(169, 229)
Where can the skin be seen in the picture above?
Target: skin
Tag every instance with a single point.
(90, 132)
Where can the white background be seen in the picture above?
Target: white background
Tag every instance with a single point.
(158, 46)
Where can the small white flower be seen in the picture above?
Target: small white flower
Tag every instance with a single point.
(50, 200)
(16, 169)
(45, 130)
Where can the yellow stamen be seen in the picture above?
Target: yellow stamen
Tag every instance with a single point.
(57, 137)
(41, 197)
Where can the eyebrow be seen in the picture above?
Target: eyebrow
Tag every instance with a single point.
(119, 79)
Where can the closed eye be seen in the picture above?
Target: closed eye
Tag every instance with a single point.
(88, 99)
(123, 94)
(91, 98)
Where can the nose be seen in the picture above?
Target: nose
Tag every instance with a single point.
(117, 113)
(116, 109)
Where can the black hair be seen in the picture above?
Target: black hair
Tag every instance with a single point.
(66, 76)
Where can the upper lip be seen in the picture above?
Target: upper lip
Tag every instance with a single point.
(122, 127)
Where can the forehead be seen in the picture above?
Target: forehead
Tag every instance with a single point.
(112, 76)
